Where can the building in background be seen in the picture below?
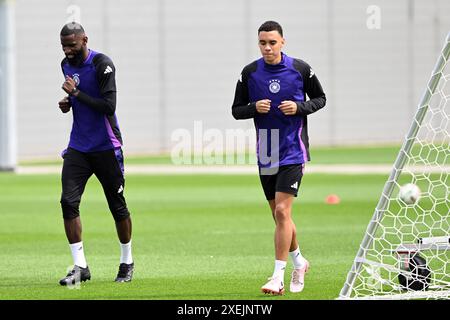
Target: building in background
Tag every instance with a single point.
(178, 62)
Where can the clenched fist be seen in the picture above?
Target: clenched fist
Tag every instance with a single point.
(69, 86)
(288, 107)
(64, 105)
(263, 106)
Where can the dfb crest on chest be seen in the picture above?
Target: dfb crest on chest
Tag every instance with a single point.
(274, 85)
(76, 78)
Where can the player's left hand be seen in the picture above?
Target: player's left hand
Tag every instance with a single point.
(64, 105)
(288, 107)
(68, 85)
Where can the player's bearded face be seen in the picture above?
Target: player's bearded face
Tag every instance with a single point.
(270, 44)
(73, 47)
(75, 58)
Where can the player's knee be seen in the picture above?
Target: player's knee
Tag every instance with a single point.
(281, 213)
(120, 213)
(70, 208)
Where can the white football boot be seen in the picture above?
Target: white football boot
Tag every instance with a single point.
(275, 286)
(298, 278)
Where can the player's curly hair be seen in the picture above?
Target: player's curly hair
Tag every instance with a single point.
(271, 26)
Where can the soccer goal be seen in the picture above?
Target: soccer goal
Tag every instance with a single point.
(405, 252)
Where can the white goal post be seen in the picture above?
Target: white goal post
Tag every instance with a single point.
(405, 252)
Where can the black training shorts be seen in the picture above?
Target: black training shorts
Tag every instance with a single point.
(286, 179)
(78, 167)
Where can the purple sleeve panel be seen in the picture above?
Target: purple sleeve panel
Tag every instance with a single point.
(115, 142)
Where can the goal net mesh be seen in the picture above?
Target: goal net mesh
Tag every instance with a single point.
(405, 253)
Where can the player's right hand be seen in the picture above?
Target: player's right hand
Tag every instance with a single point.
(263, 106)
(64, 105)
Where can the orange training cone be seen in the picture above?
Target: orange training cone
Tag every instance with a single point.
(332, 199)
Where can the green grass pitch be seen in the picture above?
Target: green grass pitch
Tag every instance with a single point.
(194, 237)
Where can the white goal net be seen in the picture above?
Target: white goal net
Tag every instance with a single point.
(405, 253)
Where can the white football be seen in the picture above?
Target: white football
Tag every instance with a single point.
(409, 193)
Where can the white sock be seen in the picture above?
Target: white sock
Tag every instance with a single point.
(78, 254)
(297, 258)
(278, 272)
(125, 253)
